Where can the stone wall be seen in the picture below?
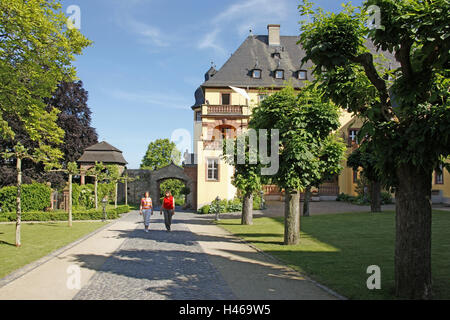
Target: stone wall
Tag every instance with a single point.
(146, 180)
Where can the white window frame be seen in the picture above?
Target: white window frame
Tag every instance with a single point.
(302, 72)
(276, 74)
(212, 164)
(254, 71)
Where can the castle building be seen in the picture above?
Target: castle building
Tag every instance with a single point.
(262, 65)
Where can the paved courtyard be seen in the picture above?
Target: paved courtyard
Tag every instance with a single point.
(197, 260)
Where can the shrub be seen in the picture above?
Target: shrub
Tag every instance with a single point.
(35, 197)
(234, 205)
(345, 198)
(386, 198)
(8, 199)
(204, 209)
(105, 190)
(179, 201)
(256, 202)
(64, 216)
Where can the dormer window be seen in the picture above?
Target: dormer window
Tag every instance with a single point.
(256, 73)
(302, 75)
(276, 55)
(279, 74)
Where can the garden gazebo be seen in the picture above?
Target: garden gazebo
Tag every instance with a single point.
(100, 152)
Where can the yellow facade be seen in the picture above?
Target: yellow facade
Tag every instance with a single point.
(443, 188)
(210, 190)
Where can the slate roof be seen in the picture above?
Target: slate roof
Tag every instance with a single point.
(255, 53)
(102, 152)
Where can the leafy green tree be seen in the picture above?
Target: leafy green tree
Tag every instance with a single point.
(36, 54)
(174, 185)
(160, 153)
(74, 118)
(406, 106)
(247, 174)
(364, 158)
(305, 124)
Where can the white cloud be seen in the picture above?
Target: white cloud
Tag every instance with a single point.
(124, 16)
(243, 16)
(147, 33)
(210, 41)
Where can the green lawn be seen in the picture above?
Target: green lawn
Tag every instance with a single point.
(38, 240)
(336, 250)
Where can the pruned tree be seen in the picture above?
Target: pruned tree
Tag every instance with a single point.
(406, 107)
(305, 124)
(364, 157)
(98, 171)
(46, 155)
(114, 176)
(247, 174)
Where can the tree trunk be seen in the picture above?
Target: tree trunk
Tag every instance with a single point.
(115, 195)
(292, 217)
(375, 196)
(413, 233)
(96, 193)
(70, 200)
(306, 202)
(247, 210)
(18, 201)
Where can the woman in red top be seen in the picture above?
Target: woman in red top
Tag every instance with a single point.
(168, 206)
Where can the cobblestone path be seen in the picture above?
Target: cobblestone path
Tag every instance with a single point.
(157, 265)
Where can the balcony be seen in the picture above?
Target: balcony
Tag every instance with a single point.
(213, 145)
(225, 109)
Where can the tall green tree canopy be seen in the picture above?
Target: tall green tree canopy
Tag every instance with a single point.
(406, 107)
(308, 153)
(70, 98)
(36, 54)
(160, 153)
(305, 123)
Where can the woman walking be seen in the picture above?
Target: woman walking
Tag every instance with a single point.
(146, 209)
(168, 206)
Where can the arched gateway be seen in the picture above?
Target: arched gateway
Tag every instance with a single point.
(146, 180)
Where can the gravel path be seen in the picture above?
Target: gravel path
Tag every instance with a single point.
(156, 266)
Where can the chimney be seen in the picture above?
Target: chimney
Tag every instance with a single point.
(274, 34)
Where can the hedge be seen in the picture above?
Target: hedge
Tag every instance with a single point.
(226, 206)
(84, 196)
(35, 197)
(64, 216)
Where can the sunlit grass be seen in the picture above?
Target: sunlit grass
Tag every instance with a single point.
(38, 240)
(336, 250)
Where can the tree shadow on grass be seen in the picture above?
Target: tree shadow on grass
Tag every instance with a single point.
(6, 243)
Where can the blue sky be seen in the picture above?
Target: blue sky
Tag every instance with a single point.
(149, 56)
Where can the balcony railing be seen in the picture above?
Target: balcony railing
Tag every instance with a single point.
(212, 145)
(225, 109)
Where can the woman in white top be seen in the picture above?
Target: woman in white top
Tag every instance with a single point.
(146, 209)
